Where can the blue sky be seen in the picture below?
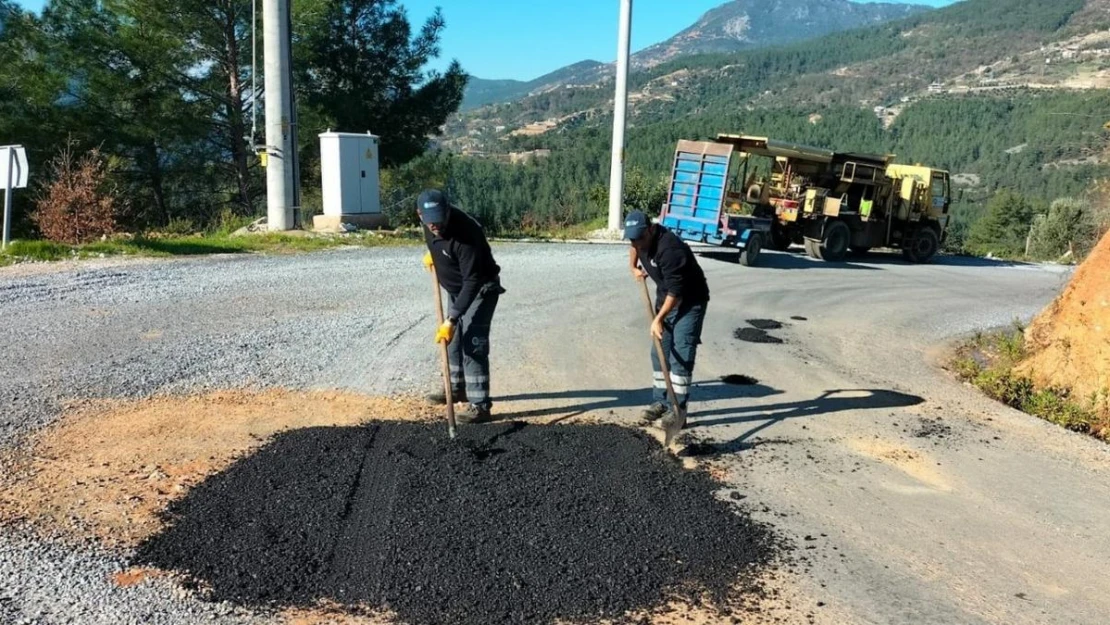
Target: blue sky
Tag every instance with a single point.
(524, 39)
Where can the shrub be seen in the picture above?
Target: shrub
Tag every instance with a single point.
(80, 203)
(228, 221)
(180, 226)
(1069, 225)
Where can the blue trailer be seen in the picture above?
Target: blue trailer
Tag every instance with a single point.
(699, 197)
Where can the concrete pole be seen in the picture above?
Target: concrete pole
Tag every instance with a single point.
(620, 106)
(280, 131)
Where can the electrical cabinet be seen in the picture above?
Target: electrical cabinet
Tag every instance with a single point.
(350, 174)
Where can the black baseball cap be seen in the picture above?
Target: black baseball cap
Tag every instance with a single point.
(635, 225)
(433, 206)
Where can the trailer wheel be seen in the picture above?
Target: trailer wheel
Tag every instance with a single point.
(834, 245)
(923, 246)
(750, 253)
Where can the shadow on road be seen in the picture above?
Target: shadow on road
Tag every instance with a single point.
(610, 399)
(828, 402)
(874, 261)
(784, 260)
(942, 260)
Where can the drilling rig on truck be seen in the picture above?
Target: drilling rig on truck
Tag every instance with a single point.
(832, 203)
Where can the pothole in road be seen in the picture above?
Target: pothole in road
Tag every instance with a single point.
(739, 380)
(296, 500)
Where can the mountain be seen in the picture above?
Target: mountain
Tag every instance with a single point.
(480, 91)
(744, 24)
(731, 27)
(973, 47)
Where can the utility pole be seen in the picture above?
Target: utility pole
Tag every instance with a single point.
(281, 129)
(620, 106)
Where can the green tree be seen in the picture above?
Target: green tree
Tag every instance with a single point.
(218, 38)
(121, 68)
(1069, 225)
(361, 69)
(28, 89)
(642, 191)
(401, 185)
(1004, 228)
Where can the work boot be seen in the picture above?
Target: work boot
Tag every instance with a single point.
(653, 413)
(440, 398)
(474, 414)
(670, 420)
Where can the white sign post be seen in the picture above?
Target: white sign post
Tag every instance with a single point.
(13, 174)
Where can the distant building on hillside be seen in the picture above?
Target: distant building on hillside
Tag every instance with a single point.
(529, 156)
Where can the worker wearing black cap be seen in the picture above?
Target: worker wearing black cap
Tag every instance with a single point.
(465, 268)
(681, 297)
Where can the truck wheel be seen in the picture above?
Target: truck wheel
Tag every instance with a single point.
(813, 248)
(923, 246)
(834, 245)
(750, 253)
(780, 240)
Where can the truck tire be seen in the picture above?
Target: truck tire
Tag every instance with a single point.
(750, 253)
(923, 246)
(834, 244)
(813, 248)
(780, 240)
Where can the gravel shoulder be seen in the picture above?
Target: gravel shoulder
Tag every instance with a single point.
(923, 502)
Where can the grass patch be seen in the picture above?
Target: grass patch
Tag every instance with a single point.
(197, 245)
(988, 361)
(573, 232)
(37, 250)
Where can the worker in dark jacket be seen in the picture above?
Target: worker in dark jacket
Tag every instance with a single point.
(465, 268)
(682, 296)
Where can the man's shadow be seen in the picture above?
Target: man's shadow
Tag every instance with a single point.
(828, 402)
(611, 399)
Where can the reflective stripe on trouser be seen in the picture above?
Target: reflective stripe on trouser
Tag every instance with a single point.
(681, 336)
(468, 351)
(457, 385)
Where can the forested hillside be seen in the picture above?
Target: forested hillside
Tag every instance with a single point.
(984, 88)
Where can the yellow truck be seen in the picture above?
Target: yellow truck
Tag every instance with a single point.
(836, 203)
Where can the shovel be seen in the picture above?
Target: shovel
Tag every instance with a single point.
(672, 431)
(446, 361)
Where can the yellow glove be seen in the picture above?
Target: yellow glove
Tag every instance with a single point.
(428, 261)
(446, 332)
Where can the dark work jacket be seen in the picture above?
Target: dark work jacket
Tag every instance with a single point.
(675, 270)
(463, 260)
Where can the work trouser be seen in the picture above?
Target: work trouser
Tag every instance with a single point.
(468, 351)
(681, 336)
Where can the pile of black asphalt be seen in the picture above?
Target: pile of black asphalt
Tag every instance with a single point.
(507, 523)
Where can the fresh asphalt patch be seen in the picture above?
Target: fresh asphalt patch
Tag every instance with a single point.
(508, 523)
(755, 335)
(765, 324)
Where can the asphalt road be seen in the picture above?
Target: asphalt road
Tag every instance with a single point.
(923, 501)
